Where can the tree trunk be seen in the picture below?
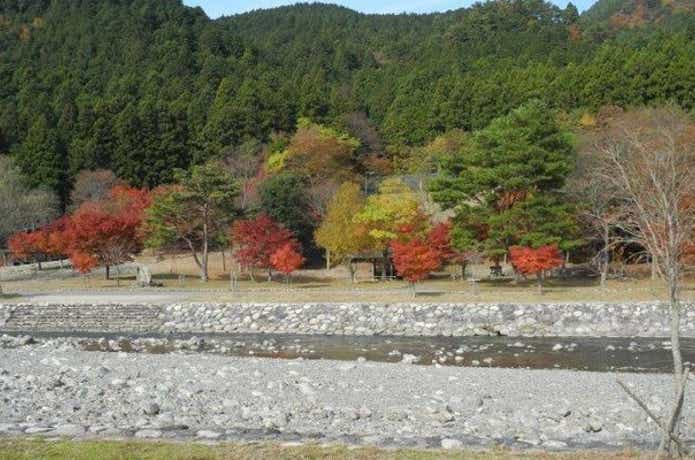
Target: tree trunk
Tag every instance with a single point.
(204, 262)
(463, 270)
(351, 270)
(539, 278)
(675, 332)
(234, 274)
(385, 263)
(655, 273)
(118, 276)
(604, 275)
(224, 262)
(108, 272)
(198, 261)
(270, 274)
(604, 261)
(412, 290)
(673, 416)
(328, 259)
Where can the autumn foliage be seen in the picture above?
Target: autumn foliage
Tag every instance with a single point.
(45, 241)
(530, 261)
(104, 232)
(415, 259)
(25, 245)
(439, 238)
(256, 240)
(287, 259)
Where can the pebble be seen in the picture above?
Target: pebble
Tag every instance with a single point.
(449, 444)
(207, 434)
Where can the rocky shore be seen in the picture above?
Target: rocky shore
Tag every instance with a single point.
(54, 392)
(411, 319)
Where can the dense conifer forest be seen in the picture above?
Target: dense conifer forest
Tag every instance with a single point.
(143, 87)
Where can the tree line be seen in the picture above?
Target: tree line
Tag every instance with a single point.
(144, 87)
(522, 188)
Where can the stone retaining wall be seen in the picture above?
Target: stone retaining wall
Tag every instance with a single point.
(87, 318)
(640, 319)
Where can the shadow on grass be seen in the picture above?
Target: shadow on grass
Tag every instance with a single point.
(548, 283)
(9, 296)
(429, 294)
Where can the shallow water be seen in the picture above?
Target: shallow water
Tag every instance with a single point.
(578, 353)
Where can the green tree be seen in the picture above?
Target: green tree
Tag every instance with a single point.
(194, 211)
(285, 200)
(503, 185)
(42, 159)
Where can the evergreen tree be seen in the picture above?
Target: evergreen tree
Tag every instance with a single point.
(284, 199)
(197, 211)
(42, 159)
(504, 183)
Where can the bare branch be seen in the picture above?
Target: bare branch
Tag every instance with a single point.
(649, 413)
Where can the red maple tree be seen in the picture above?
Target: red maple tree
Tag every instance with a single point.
(256, 240)
(106, 232)
(24, 245)
(440, 239)
(535, 261)
(287, 259)
(47, 241)
(415, 259)
(83, 263)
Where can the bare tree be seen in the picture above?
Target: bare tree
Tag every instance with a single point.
(92, 186)
(599, 210)
(22, 208)
(244, 162)
(649, 157)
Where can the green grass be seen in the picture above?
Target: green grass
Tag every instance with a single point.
(36, 449)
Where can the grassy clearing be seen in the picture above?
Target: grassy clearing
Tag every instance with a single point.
(34, 449)
(180, 274)
(217, 290)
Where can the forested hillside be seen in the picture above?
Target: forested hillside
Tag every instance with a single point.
(145, 86)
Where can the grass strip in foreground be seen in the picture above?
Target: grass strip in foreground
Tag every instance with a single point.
(39, 449)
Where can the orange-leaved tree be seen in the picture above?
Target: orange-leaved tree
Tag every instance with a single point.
(536, 261)
(254, 241)
(287, 259)
(25, 245)
(47, 241)
(107, 232)
(415, 259)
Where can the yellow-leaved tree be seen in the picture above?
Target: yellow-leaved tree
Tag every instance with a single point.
(340, 234)
(387, 212)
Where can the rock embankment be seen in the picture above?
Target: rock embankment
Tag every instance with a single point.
(647, 320)
(409, 319)
(54, 392)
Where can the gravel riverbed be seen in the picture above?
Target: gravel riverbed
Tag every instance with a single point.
(64, 392)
